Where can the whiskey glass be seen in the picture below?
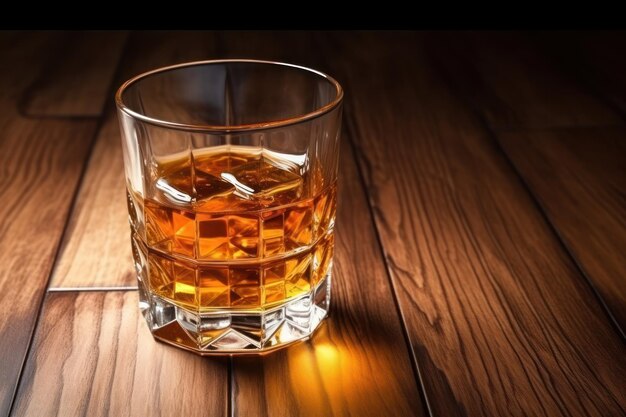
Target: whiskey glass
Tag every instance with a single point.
(231, 172)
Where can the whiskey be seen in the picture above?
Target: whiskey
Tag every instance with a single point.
(235, 228)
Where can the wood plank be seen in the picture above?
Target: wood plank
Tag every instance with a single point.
(584, 60)
(512, 84)
(41, 162)
(96, 250)
(500, 320)
(79, 84)
(579, 178)
(93, 355)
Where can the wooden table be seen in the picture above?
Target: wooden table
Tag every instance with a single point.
(480, 266)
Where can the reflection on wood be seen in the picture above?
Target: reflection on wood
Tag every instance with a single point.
(357, 364)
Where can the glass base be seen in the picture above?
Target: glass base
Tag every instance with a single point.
(236, 331)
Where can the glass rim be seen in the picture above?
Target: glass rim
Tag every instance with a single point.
(221, 129)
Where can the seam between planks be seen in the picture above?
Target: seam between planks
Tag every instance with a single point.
(62, 237)
(566, 248)
(352, 130)
(599, 94)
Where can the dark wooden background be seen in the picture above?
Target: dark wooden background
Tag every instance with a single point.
(480, 266)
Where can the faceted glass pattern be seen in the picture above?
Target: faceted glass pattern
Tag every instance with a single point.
(233, 331)
(208, 287)
(193, 310)
(232, 230)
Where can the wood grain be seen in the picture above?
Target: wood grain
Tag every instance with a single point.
(96, 250)
(79, 84)
(93, 355)
(40, 166)
(579, 177)
(358, 363)
(42, 162)
(512, 83)
(500, 320)
(580, 63)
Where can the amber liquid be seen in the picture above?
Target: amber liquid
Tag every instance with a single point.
(233, 229)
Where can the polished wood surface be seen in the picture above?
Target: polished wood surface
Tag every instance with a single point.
(40, 167)
(483, 282)
(93, 355)
(479, 267)
(578, 176)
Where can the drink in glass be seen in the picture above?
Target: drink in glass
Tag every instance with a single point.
(231, 171)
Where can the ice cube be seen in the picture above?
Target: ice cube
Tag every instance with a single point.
(265, 182)
(171, 193)
(178, 188)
